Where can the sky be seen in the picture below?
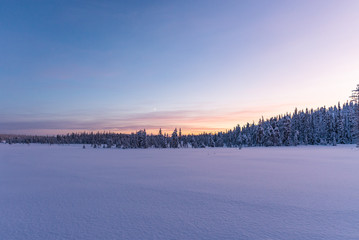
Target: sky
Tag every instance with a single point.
(122, 66)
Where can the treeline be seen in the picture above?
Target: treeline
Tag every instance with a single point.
(323, 126)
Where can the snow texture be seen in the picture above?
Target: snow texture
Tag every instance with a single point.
(66, 192)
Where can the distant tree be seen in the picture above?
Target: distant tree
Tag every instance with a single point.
(174, 139)
(296, 138)
(276, 138)
(219, 140)
(240, 140)
(339, 126)
(355, 100)
(287, 131)
(193, 141)
(180, 138)
(260, 134)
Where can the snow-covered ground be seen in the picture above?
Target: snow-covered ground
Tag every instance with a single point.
(66, 192)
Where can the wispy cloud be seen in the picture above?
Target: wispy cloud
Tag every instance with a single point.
(191, 121)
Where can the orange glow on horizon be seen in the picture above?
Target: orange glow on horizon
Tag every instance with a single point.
(190, 121)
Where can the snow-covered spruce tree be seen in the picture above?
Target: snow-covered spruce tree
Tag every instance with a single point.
(142, 141)
(219, 140)
(296, 138)
(239, 140)
(260, 134)
(174, 139)
(211, 142)
(339, 123)
(304, 127)
(193, 142)
(355, 100)
(180, 138)
(295, 127)
(287, 131)
(268, 135)
(276, 138)
(161, 139)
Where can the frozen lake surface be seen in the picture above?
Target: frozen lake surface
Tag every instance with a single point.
(66, 192)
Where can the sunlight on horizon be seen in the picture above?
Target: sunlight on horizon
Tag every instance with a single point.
(199, 66)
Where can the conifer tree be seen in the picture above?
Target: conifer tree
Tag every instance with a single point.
(355, 100)
(174, 139)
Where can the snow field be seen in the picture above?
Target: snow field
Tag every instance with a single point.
(66, 192)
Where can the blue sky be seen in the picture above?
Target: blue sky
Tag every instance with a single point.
(201, 65)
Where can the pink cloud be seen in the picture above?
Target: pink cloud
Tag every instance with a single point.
(191, 121)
